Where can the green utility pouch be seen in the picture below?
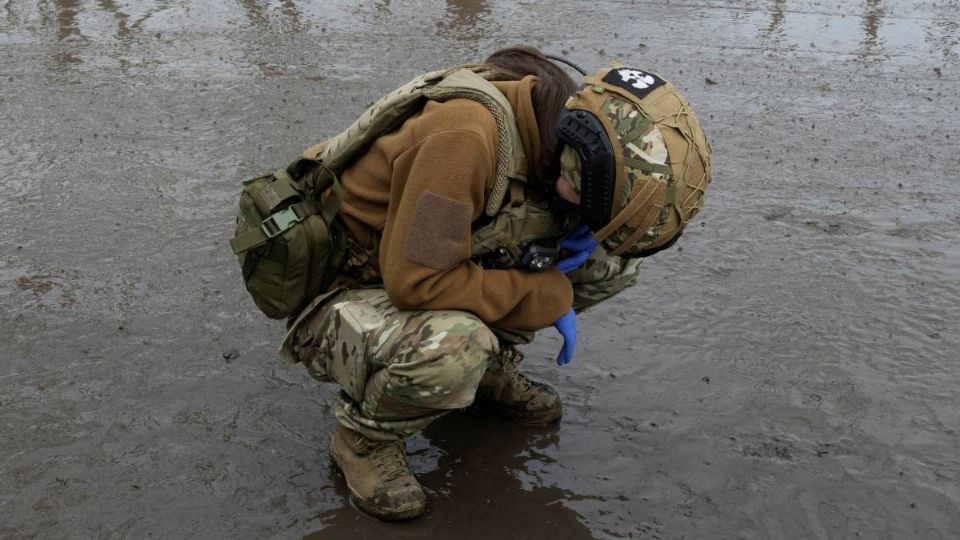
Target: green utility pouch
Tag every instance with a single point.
(288, 241)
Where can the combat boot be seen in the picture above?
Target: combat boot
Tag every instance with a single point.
(378, 476)
(511, 394)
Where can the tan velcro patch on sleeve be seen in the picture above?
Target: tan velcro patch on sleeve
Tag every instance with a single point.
(440, 232)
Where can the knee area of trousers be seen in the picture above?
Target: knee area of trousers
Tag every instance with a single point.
(456, 354)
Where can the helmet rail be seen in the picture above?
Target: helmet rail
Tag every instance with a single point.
(584, 132)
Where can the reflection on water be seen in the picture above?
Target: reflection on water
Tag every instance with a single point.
(478, 476)
(63, 16)
(123, 31)
(466, 18)
(866, 36)
(10, 14)
(263, 17)
(776, 19)
(63, 13)
(291, 12)
(258, 13)
(871, 46)
(66, 17)
(944, 34)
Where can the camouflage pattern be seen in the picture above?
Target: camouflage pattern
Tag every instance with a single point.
(398, 370)
(641, 141)
(360, 267)
(509, 393)
(602, 277)
(570, 167)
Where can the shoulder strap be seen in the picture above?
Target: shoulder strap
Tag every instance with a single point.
(387, 113)
(469, 83)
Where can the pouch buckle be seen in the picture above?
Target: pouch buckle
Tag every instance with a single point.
(280, 222)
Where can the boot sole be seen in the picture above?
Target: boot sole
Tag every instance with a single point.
(387, 514)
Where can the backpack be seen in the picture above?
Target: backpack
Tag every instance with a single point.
(288, 240)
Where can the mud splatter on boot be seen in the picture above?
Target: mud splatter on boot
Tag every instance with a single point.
(511, 394)
(378, 476)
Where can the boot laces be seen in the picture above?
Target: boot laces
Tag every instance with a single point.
(390, 460)
(520, 381)
(510, 365)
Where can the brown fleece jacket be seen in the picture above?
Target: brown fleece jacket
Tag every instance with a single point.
(416, 192)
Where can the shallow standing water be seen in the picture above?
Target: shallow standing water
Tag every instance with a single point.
(789, 372)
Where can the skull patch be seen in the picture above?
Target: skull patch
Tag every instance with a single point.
(638, 78)
(638, 82)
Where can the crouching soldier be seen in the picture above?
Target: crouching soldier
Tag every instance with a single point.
(464, 212)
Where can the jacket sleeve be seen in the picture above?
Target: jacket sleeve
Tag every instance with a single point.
(438, 190)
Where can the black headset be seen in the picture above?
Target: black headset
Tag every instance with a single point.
(583, 131)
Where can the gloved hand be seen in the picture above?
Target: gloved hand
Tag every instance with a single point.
(580, 241)
(567, 326)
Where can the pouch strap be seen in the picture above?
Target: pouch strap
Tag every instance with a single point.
(272, 226)
(283, 220)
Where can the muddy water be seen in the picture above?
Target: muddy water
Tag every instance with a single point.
(789, 372)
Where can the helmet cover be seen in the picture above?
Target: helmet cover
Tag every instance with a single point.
(661, 154)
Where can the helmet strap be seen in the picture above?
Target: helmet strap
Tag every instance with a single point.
(653, 251)
(562, 206)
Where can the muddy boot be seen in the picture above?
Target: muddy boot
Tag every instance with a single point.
(378, 476)
(510, 394)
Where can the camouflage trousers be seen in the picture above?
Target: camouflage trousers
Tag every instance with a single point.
(400, 370)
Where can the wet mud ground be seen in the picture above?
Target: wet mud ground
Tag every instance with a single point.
(790, 371)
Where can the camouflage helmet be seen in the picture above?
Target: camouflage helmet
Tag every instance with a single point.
(637, 156)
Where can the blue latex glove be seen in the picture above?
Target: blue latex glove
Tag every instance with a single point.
(580, 241)
(567, 326)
